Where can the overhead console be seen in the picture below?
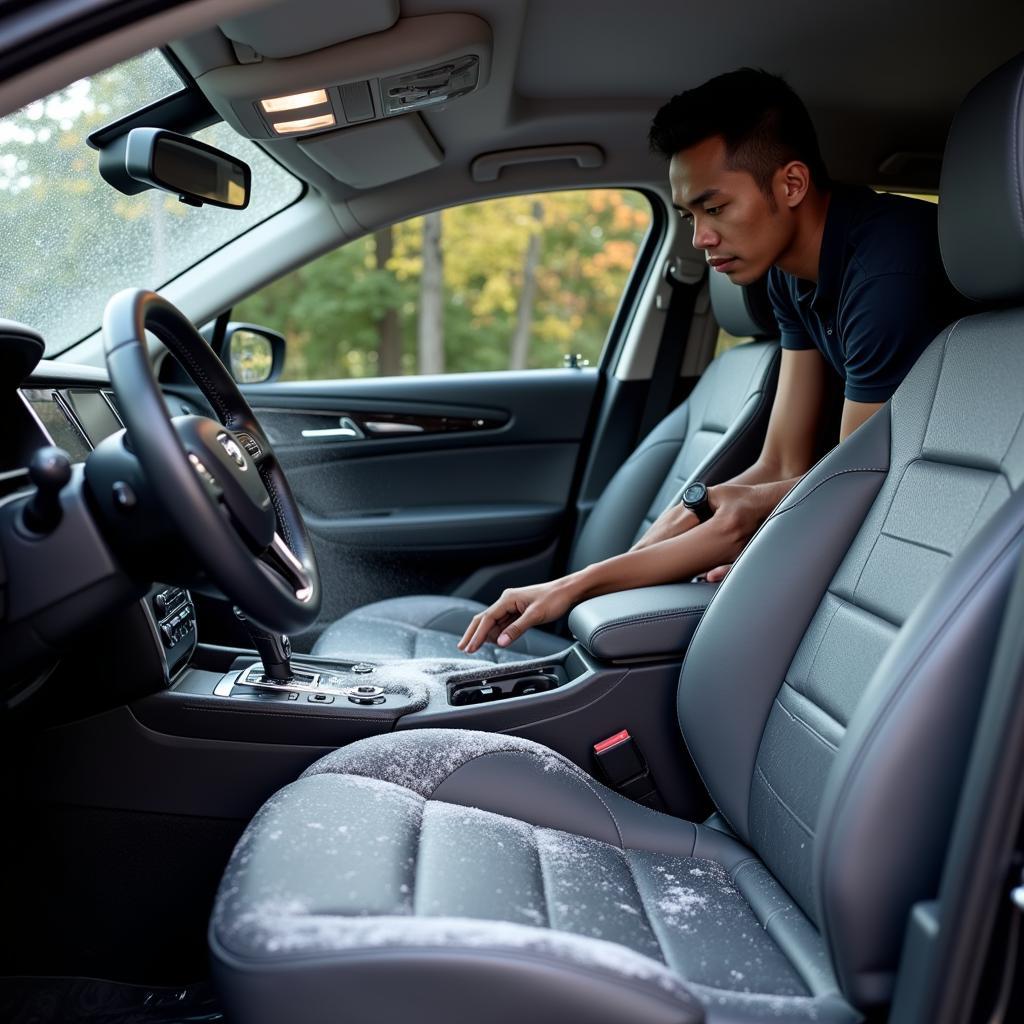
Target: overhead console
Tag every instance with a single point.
(416, 64)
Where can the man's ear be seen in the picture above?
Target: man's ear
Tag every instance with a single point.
(791, 183)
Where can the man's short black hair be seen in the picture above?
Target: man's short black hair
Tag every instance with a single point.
(762, 120)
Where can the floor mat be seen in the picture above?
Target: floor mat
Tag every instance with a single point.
(90, 1001)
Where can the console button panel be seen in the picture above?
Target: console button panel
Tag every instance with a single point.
(175, 616)
(320, 687)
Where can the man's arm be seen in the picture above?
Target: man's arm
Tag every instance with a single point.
(686, 547)
(788, 449)
(854, 414)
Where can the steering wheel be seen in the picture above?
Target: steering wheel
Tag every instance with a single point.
(220, 482)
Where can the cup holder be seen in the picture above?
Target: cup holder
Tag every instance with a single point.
(483, 691)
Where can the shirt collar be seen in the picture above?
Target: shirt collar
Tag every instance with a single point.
(832, 260)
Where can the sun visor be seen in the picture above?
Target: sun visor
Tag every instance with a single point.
(299, 26)
(375, 154)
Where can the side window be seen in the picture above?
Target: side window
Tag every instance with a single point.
(727, 341)
(515, 283)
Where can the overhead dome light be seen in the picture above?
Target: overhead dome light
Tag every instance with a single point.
(297, 101)
(305, 124)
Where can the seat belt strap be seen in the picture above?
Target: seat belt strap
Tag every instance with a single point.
(674, 336)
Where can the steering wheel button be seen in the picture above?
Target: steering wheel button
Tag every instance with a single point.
(124, 496)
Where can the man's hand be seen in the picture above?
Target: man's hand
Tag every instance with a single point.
(739, 509)
(516, 611)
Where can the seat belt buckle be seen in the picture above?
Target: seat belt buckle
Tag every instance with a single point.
(623, 767)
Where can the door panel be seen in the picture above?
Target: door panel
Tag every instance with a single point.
(423, 512)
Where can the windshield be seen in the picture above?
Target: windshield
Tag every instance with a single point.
(68, 240)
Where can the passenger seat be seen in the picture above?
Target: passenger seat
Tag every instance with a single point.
(713, 435)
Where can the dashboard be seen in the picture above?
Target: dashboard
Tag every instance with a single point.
(53, 408)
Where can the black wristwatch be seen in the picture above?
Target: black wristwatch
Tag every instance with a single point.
(695, 498)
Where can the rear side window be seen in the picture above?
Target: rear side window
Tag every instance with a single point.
(506, 284)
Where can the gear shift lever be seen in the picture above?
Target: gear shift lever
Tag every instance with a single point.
(274, 649)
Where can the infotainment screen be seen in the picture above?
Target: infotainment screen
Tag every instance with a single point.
(93, 412)
(50, 411)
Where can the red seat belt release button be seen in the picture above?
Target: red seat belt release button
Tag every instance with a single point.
(619, 759)
(612, 741)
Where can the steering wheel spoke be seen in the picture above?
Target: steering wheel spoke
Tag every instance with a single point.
(279, 557)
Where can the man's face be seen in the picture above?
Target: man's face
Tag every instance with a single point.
(740, 230)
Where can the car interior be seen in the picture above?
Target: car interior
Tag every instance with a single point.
(248, 774)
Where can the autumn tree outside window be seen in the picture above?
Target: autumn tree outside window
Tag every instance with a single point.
(513, 283)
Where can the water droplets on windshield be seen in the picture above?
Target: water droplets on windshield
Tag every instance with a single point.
(68, 240)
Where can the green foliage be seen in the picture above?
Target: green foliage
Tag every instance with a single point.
(331, 310)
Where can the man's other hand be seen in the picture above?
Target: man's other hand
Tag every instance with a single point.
(515, 612)
(739, 509)
(675, 520)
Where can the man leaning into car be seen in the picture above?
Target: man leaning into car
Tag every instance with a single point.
(856, 282)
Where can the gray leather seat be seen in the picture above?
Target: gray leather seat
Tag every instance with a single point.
(716, 433)
(828, 699)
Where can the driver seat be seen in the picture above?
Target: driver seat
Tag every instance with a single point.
(828, 699)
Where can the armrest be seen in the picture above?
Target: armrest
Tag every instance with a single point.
(641, 623)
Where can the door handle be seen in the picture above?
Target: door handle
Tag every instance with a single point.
(347, 427)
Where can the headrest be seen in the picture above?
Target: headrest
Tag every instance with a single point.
(745, 311)
(981, 191)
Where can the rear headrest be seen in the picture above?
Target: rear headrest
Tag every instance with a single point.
(745, 311)
(981, 191)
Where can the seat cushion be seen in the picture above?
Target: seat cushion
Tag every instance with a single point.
(422, 626)
(463, 876)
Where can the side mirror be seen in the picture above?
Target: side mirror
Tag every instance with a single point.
(191, 170)
(253, 354)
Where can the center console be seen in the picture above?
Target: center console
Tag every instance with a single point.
(620, 674)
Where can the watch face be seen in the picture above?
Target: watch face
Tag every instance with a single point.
(694, 494)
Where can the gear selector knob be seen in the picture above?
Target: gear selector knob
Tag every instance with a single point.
(274, 649)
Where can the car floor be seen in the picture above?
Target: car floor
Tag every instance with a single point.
(92, 1001)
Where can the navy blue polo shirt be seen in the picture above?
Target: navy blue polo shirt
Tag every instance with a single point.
(881, 295)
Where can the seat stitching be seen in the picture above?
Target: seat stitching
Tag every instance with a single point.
(821, 483)
(991, 484)
(764, 778)
(807, 725)
(884, 518)
(771, 917)
(543, 876)
(416, 853)
(753, 862)
(643, 906)
(845, 602)
(618, 831)
(818, 646)
(651, 617)
(919, 543)
(573, 770)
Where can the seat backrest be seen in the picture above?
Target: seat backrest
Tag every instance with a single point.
(715, 434)
(830, 693)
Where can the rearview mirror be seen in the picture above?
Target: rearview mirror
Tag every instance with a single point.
(194, 172)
